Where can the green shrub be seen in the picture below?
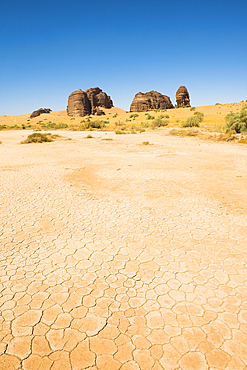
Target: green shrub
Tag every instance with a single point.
(149, 116)
(192, 122)
(237, 122)
(53, 126)
(119, 123)
(134, 115)
(92, 124)
(199, 115)
(37, 137)
(159, 122)
(192, 108)
(2, 127)
(115, 115)
(144, 124)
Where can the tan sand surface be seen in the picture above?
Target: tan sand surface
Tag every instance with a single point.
(122, 256)
(214, 118)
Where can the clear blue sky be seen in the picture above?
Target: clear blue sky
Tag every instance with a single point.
(51, 48)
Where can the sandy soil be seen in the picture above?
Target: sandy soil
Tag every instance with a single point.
(118, 255)
(214, 117)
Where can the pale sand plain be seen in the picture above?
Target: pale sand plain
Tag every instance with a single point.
(118, 255)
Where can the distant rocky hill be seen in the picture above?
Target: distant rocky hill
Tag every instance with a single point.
(82, 103)
(154, 100)
(38, 112)
(150, 101)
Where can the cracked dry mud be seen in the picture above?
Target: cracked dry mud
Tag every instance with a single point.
(116, 255)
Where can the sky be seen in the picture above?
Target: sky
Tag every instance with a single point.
(48, 49)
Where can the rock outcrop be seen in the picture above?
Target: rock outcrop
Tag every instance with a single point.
(150, 101)
(182, 97)
(83, 103)
(98, 112)
(38, 112)
(78, 104)
(98, 98)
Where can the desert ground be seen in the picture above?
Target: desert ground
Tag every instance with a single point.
(121, 256)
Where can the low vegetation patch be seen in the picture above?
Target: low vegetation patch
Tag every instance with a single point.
(182, 133)
(37, 137)
(160, 122)
(237, 122)
(134, 115)
(52, 125)
(119, 132)
(87, 124)
(242, 141)
(149, 116)
(145, 143)
(194, 121)
(191, 122)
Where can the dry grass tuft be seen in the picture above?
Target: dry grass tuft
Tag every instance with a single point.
(119, 132)
(242, 141)
(182, 133)
(145, 143)
(37, 137)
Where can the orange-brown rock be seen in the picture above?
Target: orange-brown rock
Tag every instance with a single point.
(38, 112)
(98, 98)
(78, 104)
(182, 97)
(150, 101)
(83, 103)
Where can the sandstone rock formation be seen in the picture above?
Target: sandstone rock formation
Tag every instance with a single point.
(78, 104)
(182, 97)
(98, 98)
(98, 112)
(82, 103)
(38, 112)
(150, 101)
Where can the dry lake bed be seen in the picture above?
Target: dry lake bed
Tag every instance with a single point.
(118, 255)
